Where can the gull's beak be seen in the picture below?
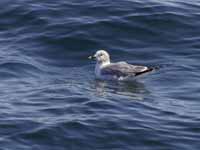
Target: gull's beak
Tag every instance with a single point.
(92, 57)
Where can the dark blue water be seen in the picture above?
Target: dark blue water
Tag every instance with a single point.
(49, 98)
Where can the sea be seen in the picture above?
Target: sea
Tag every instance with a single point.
(50, 99)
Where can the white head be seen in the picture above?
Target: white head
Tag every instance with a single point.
(102, 57)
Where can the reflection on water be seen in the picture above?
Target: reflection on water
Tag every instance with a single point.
(132, 89)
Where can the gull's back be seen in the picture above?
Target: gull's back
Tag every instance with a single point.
(123, 69)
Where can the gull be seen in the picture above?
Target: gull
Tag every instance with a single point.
(121, 71)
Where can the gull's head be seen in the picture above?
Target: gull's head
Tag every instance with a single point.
(101, 56)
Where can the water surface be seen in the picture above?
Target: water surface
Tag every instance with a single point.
(49, 98)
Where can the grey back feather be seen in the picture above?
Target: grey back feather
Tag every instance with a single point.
(122, 69)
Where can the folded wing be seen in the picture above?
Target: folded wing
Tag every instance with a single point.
(124, 69)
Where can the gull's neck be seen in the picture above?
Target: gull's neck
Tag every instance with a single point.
(99, 66)
(102, 64)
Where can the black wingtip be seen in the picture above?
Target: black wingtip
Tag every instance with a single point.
(150, 69)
